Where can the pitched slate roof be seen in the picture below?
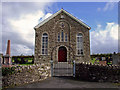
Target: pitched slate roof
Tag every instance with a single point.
(62, 10)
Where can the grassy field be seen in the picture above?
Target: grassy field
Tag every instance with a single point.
(26, 64)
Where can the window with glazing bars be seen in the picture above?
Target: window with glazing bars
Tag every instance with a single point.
(45, 44)
(79, 44)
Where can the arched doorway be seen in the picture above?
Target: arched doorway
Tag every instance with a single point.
(62, 54)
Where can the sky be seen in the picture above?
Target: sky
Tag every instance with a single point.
(20, 18)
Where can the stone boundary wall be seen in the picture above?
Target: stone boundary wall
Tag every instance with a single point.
(27, 74)
(97, 73)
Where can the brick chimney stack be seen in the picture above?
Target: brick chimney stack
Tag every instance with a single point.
(8, 48)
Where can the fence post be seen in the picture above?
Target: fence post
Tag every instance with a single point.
(74, 68)
(51, 67)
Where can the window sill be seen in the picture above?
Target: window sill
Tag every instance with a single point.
(80, 55)
(61, 41)
(44, 54)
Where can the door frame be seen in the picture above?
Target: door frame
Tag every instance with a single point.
(65, 51)
(58, 50)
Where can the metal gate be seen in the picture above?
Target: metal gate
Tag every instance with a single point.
(62, 69)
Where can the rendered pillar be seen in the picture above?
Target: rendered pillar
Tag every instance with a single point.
(7, 57)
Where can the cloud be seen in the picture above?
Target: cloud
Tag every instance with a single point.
(108, 6)
(25, 24)
(104, 40)
(23, 27)
(21, 49)
(45, 17)
(18, 21)
(28, 1)
(98, 9)
(15, 9)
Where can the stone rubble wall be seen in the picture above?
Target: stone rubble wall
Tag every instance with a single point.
(97, 73)
(27, 74)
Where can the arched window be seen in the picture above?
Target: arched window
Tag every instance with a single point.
(79, 44)
(62, 36)
(45, 44)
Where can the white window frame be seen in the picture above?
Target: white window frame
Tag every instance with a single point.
(44, 44)
(79, 44)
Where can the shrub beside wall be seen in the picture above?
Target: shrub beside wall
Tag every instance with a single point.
(99, 73)
(7, 70)
(25, 74)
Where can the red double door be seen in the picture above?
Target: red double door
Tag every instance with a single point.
(62, 54)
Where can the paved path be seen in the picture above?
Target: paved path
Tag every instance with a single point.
(68, 82)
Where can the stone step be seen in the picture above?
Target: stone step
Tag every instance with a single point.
(62, 68)
(63, 75)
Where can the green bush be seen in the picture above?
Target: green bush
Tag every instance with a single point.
(23, 59)
(8, 70)
(19, 59)
(93, 61)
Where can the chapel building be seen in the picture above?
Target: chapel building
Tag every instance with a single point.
(62, 38)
